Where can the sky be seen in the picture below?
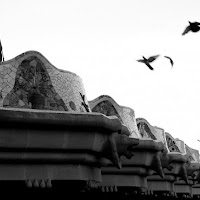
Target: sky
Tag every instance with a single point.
(101, 42)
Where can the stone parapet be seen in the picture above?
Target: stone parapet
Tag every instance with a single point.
(31, 81)
(43, 146)
(107, 105)
(146, 159)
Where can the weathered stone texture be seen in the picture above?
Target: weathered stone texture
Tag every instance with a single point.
(30, 81)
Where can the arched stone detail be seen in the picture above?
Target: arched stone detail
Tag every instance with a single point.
(171, 143)
(33, 88)
(145, 128)
(160, 135)
(189, 154)
(107, 105)
(31, 81)
(194, 153)
(106, 108)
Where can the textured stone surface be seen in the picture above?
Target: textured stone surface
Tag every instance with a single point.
(148, 131)
(38, 144)
(160, 135)
(171, 143)
(192, 154)
(31, 81)
(106, 105)
(145, 129)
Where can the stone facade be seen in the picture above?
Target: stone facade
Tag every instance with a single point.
(31, 81)
(171, 143)
(160, 135)
(145, 129)
(85, 147)
(106, 105)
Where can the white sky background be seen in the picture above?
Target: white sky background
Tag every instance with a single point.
(100, 41)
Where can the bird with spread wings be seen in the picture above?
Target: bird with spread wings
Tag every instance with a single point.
(193, 26)
(147, 61)
(171, 61)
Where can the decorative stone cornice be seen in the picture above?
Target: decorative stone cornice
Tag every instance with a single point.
(60, 139)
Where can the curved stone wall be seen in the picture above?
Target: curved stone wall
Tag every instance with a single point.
(171, 143)
(106, 105)
(181, 146)
(193, 154)
(160, 135)
(145, 129)
(31, 81)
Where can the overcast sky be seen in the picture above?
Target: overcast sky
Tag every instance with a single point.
(100, 41)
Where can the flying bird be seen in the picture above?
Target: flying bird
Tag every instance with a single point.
(171, 61)
(147, 61)
(193, 26)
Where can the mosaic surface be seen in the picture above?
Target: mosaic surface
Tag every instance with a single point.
(106, 108)
(193, 154)
(160, 135)
(31, 81)
(145, 129)
(171, 143)
(181, 146)
(106, 105)
(189, 153)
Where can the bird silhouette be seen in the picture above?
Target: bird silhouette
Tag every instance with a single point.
(193, 26)
(1, 53)
(171, 61)
(147, 61)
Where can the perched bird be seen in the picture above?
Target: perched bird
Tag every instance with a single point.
(147, 61)
(171, 61)
(193, 26)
